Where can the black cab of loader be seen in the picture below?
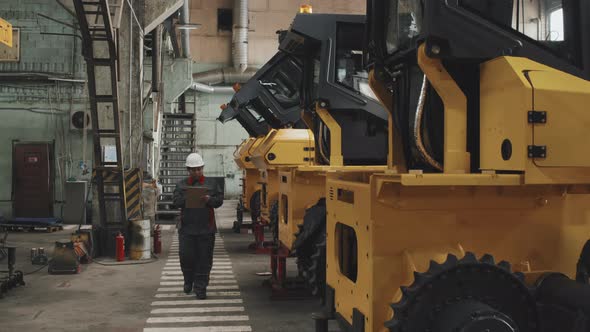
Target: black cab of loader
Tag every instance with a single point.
(329, 49)
(464, 34)
(257, 108)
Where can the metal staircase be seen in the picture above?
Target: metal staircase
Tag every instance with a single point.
(177, 141)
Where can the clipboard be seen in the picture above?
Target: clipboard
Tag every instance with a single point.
(193, 197)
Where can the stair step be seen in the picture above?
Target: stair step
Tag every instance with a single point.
(177, 146)
(170, 132)
(169, 212)
(172, 169)
(172, 176)
(165, 153)
(178, 125)
(178, 115)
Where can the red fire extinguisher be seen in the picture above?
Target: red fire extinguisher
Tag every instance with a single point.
(120, 247)
(157, 240)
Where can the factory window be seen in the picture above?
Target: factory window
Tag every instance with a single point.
(257, 117)
(543, 21)
(283, 82)
(556, 31)
(347, 250)
(225, 19)
(350, 72)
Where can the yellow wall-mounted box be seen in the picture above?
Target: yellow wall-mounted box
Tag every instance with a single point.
(5, 33)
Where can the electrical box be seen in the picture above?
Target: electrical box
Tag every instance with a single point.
(5, 33)
(11, 53)
(75, 206)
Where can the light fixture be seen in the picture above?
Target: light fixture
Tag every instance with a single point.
(188, 26)
(305, 9)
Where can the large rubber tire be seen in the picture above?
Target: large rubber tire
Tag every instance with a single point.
(317, 269)
(239, 217)
(274, 221)
(310, 248)
(466, 294)
(255, 206)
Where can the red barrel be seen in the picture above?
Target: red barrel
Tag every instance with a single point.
(120, 247)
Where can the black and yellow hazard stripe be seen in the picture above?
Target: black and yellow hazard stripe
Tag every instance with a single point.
(133, 193)
(108, 176)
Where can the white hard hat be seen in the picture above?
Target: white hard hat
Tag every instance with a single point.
(194, 160)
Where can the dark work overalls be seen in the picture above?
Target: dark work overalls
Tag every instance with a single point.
(196, 235)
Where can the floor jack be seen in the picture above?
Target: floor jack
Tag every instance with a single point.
(13, 278)
(283, 287)
(260, 245)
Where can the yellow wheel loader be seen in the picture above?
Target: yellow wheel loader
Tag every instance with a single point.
(347, 135)
(250, 101)
(482, 220)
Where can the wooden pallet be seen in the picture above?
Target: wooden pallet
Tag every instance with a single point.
(30, 228)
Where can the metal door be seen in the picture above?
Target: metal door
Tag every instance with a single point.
(32, 180)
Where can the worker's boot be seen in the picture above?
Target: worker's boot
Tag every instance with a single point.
(201, 294)
(188, 287)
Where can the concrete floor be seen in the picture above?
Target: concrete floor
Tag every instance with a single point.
(120, 298)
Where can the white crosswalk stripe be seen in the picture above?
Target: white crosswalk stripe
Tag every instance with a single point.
(197, 310)
(213, 277)
(209, 294)
(196, 319)
(171, 273)
(175, 311)
(197, 302)
(179, 289)
(211, 282)
(215, 266)
(200, 329)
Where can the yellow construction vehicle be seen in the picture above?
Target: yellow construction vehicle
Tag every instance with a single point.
(242, 157)
(347, 134)
(482, 220)
(248, 105)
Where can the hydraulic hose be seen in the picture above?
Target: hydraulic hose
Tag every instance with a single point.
(418, 128)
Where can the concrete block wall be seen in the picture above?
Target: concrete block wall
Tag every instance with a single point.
(41, 53)
(208, 45)
(35, 111)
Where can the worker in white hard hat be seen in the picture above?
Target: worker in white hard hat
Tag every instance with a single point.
(196, 235)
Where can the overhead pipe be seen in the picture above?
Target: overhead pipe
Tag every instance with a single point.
(239, 73)
(224, 76)
(185, 35)
(240, 36)
(200, 87)
(157, 58)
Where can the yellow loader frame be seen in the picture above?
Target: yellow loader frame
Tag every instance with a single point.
(537, 219)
